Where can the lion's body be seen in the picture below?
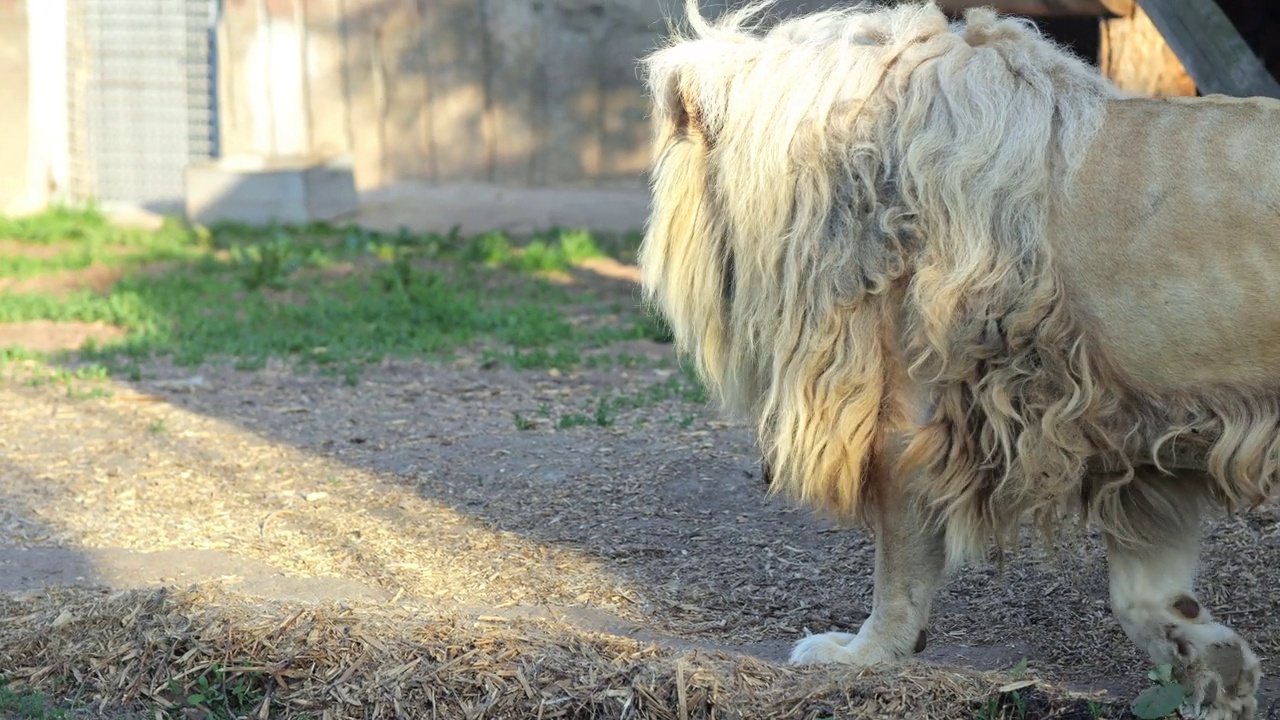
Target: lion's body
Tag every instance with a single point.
(1061, 278)
(1171, 243)
(947, 266)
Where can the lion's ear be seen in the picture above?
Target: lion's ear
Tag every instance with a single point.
(686, 113)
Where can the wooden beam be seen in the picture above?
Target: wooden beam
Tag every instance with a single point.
(1032, 8)
(1211, 49)
(1136, 58)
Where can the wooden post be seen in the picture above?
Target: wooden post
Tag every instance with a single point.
(1206, 42)
(1134, 55)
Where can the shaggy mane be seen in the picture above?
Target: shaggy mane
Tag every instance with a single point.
(849, 237)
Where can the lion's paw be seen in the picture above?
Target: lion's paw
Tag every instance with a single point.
(838, 647)
(1220, 671)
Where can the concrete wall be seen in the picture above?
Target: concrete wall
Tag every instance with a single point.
(14, 122)
(517, 92)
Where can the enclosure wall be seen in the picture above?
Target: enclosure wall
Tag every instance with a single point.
(518, 92)
(14, 113)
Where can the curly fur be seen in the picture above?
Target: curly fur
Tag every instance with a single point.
(850, 236)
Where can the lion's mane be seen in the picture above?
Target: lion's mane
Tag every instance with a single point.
(848, 235)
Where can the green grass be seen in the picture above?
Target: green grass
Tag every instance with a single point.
(28, 705)
(607, 410)
(69, 240)
(332, 298)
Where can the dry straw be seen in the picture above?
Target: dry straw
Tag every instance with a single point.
(147, 652)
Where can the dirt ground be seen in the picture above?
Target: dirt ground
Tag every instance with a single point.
(417, 490)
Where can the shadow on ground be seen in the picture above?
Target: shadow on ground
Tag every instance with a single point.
(461, 486)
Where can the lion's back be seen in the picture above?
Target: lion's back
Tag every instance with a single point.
(1170, 241)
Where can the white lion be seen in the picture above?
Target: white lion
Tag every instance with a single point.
(956, 280)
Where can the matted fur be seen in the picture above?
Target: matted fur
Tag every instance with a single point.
(848, 235)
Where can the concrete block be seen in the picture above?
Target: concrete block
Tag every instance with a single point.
(260, 191)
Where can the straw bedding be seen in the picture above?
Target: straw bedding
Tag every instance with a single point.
(148, 651)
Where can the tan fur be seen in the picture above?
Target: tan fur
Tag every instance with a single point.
(872, 225)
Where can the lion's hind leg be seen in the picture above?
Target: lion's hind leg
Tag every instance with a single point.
(1152, 533)
(910, 559)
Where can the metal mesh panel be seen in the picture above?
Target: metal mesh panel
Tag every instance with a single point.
(143, 97)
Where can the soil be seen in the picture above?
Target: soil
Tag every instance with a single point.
(416, 488)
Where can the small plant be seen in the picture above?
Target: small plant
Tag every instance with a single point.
(604, 416)
(267, 263)
(990, 711)
(156, 427)
(220, 696)
(351, 374)
(397, 276)
(1161, 699)
(522, 422)
(1019, 704)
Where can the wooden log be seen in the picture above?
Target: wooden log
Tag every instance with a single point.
(1135, 56)
(1210, 48)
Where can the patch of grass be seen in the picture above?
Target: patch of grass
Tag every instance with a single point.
(682, 386)
(68, 239)
(81, 383)
(28, 705)
(330, 298)
(572, 420)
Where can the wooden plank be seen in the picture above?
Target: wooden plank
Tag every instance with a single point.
(402, 45)
(1136, 58)
(330, 114)
(1213, 52)
(458, 62)
(237, 33)
(1032, 8)
(515, 81)
(365, 88)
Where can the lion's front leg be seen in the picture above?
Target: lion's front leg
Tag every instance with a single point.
(910, 560)
(1153, 598)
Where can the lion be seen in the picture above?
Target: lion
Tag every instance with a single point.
(957, 282)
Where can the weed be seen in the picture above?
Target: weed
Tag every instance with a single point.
(266, 264)
(990, 711)
(1019, 704)
(603, 416)
(27, 705)
(573, 420)
(1161, 699)
(522, 422)
(156, 427)
(219, 694)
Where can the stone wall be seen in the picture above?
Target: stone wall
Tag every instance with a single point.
(517, 92)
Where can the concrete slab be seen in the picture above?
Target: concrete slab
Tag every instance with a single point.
(481, 207)
(259, 191)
